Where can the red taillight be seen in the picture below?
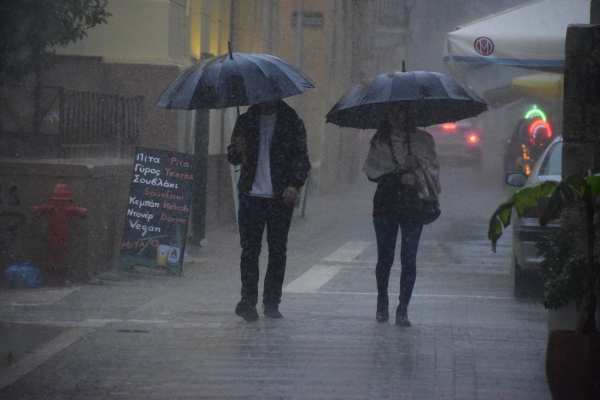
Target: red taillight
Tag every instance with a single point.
(449, 127)
(472, 138)
(540, 133)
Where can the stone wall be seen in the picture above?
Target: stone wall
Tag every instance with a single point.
(99, 185)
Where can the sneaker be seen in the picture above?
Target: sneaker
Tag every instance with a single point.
(272, 312)
(246, 311)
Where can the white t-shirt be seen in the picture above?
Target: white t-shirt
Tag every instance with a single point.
(262, 186)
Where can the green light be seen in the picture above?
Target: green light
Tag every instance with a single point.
(535, 112)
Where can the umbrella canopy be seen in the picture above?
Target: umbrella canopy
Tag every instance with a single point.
(436, 98)
(234, 79)
(531, 35)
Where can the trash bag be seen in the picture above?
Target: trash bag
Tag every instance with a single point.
(22, 276)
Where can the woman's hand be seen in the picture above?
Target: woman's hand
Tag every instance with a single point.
(408, 179)
(411, 162)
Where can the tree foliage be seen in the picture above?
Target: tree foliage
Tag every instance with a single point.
(29, 29)
(521, 201)
(568, 280)
(564, 270)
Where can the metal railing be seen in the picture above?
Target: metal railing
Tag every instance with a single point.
(74, 124)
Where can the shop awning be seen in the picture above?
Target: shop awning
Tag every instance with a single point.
(531, 35)
(544, 85)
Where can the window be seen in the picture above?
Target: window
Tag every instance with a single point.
(552, 164)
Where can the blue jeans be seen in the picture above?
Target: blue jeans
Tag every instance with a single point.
(386, 231)
(253, 214)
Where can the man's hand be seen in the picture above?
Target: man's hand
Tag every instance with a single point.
(408, 179)
(289, 195)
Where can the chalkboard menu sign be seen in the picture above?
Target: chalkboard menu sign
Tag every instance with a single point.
(158, 210)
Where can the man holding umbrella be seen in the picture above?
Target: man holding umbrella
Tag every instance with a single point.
(269, 141)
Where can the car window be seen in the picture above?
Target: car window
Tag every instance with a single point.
(552, 164)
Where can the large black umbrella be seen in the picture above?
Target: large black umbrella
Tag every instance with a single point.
(234, 79)
(436, 98)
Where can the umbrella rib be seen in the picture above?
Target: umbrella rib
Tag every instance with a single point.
(258, 66)
(218, 80)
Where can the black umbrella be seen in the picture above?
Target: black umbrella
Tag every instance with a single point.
(234, 79)
(436, 98)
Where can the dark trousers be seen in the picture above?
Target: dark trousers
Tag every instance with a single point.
(253, 214)
(386, 231)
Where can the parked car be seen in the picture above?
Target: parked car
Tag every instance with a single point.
(527, 143)
(457, 142)
(526, 229)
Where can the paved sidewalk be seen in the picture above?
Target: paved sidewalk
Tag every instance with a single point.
(148, 336)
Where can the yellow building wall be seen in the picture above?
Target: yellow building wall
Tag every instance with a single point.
(209, 18)
(311, 104)
(137, 29)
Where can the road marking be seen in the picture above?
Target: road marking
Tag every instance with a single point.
(313, 279)
(37, 297)
(197, 325)
(97, 323)
(445, 296)
(348, 252)
(31, 361)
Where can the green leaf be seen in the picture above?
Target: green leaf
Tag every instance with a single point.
(593, 182)
(521, 201)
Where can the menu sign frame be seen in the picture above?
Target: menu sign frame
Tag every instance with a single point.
(158, 210)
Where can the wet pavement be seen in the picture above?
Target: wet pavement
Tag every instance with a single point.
(144, 335)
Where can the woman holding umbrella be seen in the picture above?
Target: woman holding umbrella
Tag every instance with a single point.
(403, 162)
(399, 160)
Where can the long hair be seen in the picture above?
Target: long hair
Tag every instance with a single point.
(384, 134)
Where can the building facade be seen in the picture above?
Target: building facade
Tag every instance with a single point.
(146, 43)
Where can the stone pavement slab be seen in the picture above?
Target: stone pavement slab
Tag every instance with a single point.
(147, 336)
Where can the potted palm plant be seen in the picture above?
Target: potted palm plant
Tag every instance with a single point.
(572, 357)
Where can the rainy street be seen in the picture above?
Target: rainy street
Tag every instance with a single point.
(146, 144)
(150, 336)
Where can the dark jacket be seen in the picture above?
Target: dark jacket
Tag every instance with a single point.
(289, 154)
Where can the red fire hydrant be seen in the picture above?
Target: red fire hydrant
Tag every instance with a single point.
(60, 207)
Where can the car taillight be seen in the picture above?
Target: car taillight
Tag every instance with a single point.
(449, 127)
(472, 138)
(540, 132)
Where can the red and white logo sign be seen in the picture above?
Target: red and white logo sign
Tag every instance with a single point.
(484, 46)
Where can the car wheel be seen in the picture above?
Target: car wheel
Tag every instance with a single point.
(529, 284)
